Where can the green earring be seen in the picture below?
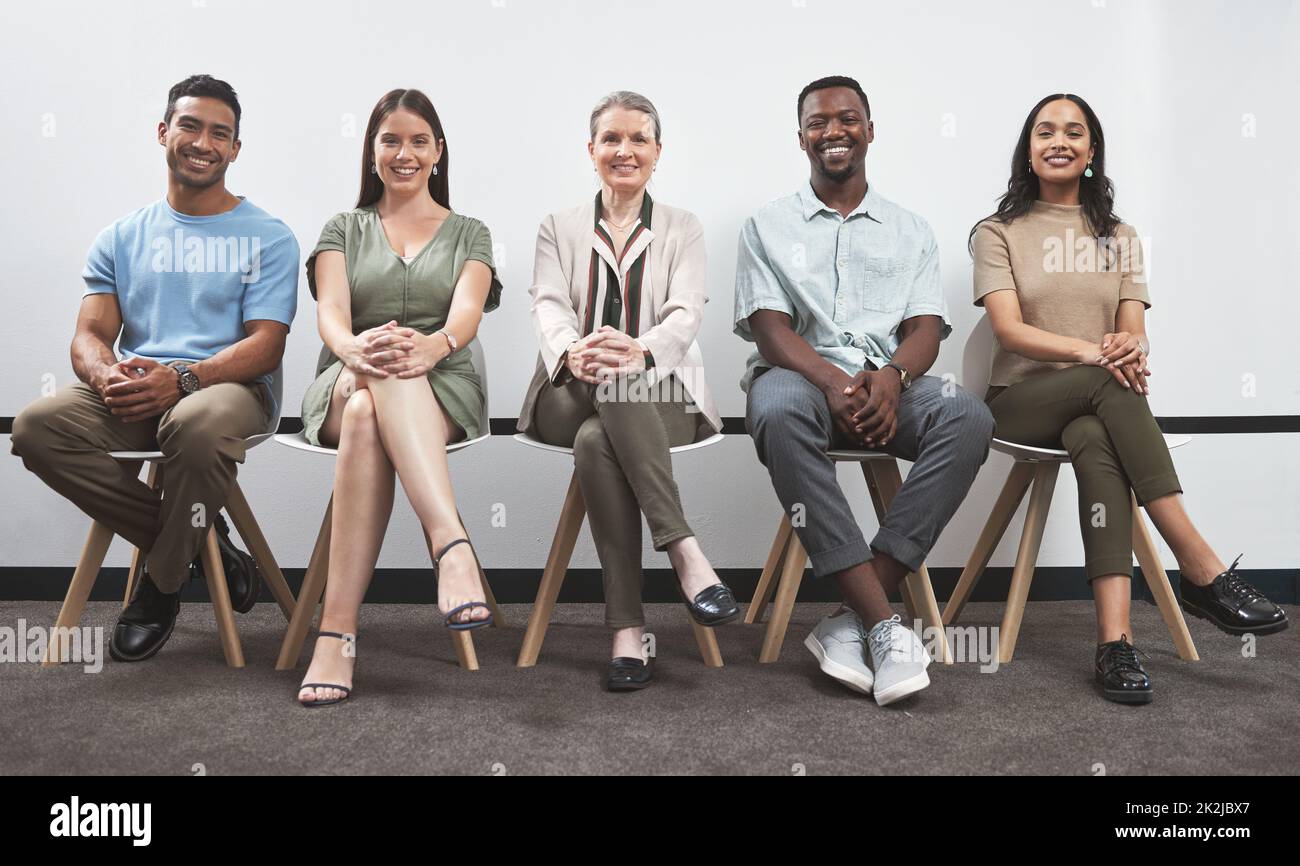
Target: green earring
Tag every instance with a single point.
(1087, 172)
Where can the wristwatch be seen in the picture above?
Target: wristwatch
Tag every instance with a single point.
(904, 377)
(188, 382)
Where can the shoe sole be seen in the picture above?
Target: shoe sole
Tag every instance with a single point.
(118, 657)
(626, 687)
(842, 674)
(1195, 611)
(898, 691)
(1120, 697)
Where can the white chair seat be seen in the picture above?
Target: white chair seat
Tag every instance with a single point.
(1045, 455)
(298, 441)
(251, 441)
(560, 449)
(845, 455)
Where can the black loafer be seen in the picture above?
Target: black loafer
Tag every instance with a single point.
(146, 623)
(1120, 674)
(243, 578)
(714, 605)
(1232, 604)
(628, 674)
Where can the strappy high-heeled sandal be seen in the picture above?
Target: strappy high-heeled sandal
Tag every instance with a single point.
(346, 638)
(449, 617)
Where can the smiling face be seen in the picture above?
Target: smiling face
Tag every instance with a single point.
(405, 151)
(1060, 146)
(834, 131)
(624, 150)
(199, 140)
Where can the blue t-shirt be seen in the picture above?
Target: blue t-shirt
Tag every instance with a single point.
(187, 284)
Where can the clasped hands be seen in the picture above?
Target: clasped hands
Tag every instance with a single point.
(1125, 357)
(392, 349)
(603, 354)
(864, 408)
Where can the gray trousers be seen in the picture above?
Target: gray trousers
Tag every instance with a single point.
(943, 430)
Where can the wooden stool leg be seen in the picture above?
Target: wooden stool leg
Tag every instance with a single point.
(1040, 500)
(766, 582)
(313, 587)
(463, 643)
(708, 642)
(557, 563)
(83, 578)
(917, 592)
(220, 595)
(242, 516)
(1004, 509)
(1158, 581)
(137, 556)
(783, 606)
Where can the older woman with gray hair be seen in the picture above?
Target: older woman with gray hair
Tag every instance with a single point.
(618, 296)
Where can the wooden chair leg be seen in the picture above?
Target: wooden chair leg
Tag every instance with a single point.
(557, 563)
(708, 643)
(137, 557)
(463, 643)
(1156, 578)
(786, 592)
(242, 516)
(313, 587)
(884, 481)
(766, 581)
(83, 578)
(219, 593)
(1013, 491)
(498, 620)
(1040, 500)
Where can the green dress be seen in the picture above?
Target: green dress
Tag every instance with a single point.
(416, 295)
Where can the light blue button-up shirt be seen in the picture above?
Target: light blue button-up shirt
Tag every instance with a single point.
(846, 282)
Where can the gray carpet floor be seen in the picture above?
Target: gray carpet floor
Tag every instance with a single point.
(415, 711)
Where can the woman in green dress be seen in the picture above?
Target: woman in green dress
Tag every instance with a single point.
(401, 283)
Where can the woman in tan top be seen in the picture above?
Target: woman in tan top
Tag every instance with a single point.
(1063, 282)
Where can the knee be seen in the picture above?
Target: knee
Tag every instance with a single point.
(31, 428)
(776, 410)
(590, 445)
(1086, 435)
(971, 414)
(359, 416)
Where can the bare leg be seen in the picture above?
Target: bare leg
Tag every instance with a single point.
(693, 568)
(628, 643)
(363, 503)
(415, 431)
(865, 587)
(1196, 559)
(1112, 594)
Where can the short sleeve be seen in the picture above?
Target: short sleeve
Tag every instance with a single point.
(758, 287)
(926, 297)
(100, 273)
(1132, 267)
(332, 237)
(480, 250)
(992, 261)
(274, 294)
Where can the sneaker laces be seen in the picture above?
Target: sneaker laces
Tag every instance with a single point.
(881, 638)
(1123, 655)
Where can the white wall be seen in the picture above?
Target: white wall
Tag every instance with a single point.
(1197, 99)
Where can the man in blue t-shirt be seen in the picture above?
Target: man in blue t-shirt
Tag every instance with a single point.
(198, 291)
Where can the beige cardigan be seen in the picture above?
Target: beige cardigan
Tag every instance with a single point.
(674, 306)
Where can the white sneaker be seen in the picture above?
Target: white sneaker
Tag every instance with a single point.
(899, 659)
(840, 642)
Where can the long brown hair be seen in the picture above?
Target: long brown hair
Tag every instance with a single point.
(372, 188)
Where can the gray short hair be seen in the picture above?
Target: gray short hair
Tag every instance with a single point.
(629, 100)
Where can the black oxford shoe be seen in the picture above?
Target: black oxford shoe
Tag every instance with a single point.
(1232, 604)
(146, 623)
(714, 605)
(1120, 673)
(628, 674)
(242, 576)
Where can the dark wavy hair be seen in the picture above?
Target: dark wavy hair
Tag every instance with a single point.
(412, 100)
(203, 85)
(1096, 193)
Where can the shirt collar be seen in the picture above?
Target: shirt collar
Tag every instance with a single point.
(812, 205)
(639, 237)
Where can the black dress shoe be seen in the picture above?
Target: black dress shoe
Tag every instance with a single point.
(1120, 674)
(146, 623)
(714, 605)
(628, 674)
(1232, 604)
(243, 578)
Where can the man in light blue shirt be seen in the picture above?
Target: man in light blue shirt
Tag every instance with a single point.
(839, 287)
(198, 290)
